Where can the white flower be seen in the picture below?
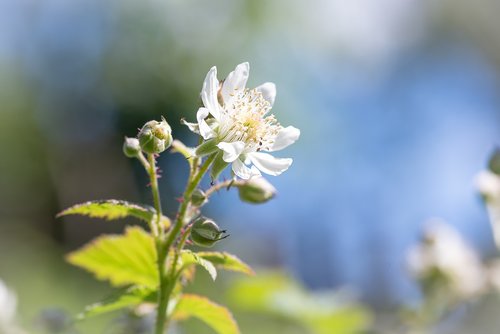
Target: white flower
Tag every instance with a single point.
(8, 305)
(488, 184)
(236, 120)
(444, 250)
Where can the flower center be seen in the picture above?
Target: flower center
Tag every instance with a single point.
(246, 121)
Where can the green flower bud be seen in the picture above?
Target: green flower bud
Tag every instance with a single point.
(206, 233)
(199, 198)
(155, 137)
(131, 147)
(256, 190)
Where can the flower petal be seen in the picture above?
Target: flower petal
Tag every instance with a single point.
(231, 150)
(192, 126)
(209, 92)
(235, 81)
(287, 136)
(268, 91)
(243, 171)
(205, 131)
(269, 164)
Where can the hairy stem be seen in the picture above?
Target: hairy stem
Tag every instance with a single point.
(167, 283)
(158, 233)
(223, 184)
(157, 227)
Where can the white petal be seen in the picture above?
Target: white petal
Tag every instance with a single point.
(269, 164)
(235, 81)
(192, 126)
(205, 131)
(243, 171)
(209, 92)
(231, 150)
(287, 136)
(268, 91)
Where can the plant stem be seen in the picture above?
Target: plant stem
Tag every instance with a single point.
(223, 184)
(157, 228)
(186, 199)
(168, 283)
(158, 233)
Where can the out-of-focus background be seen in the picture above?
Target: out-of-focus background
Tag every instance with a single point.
(398, 103)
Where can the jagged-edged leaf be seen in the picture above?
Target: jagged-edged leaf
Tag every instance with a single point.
(214, 315)
(113, 209)
(226, 261)
(132, 296)
(121, 259)
(188, 258)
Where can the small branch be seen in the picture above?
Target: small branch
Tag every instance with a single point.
(224, 184)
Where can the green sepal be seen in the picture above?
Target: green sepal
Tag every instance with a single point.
(189, 258)
(218, 166)
(226, 261)
(206, 148)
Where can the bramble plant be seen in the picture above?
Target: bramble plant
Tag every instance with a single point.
(154, 266)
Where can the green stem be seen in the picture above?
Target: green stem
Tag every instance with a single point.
(156, 195)
(223, 184)
(186, 199)
(167, 283)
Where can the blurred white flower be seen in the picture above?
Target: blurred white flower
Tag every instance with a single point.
(445, 252)
(488, 184)
(236, 119)
(8, 305)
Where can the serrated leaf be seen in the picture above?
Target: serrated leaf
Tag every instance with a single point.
(188, 258)
(227, 261)
(113, 209)
(130, 297)
(214, 315)
(121, 259)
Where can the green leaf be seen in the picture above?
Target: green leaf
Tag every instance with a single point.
(113, 209)
(227, 261)
(189, 258)
(132, 296)
(277, 294)
(216, 316)
(121, 259)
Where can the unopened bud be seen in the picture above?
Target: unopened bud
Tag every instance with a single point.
(206, 233)
(199, 198)
(155, 137)
(256, 190)
(131, 147)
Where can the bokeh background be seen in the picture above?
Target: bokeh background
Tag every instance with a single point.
(398, 103)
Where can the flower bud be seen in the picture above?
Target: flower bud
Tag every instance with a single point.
(199, 198)
(206, 233)
(131, 147)
(155, 137)
(256, 190)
